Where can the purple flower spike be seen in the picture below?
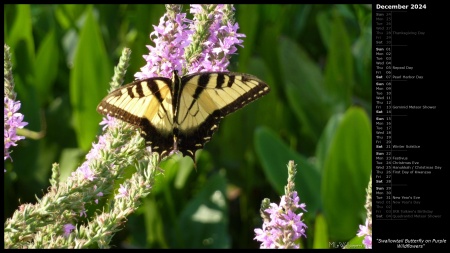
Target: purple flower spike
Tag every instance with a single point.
(283, 226)
(171, 36)
(12, 120)
(221, 42)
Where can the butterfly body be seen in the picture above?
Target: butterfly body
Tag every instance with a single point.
(181, 113)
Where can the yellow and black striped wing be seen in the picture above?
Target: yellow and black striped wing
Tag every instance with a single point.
(148, 105)
(182, 113)
(206, 98)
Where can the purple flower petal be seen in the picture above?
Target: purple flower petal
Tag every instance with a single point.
(68, 228)
(123, 192)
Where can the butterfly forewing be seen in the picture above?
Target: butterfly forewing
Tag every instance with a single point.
(146, 104)
(206, 98)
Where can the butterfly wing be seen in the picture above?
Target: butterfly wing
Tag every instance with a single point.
(146, 104)
(205, 99)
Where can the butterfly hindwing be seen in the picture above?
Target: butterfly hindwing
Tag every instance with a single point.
(181, 113)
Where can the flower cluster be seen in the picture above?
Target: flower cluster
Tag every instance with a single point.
(171, 36)
(13, 120)
(282, 227)
(221, 37)
(366, 231)
(205, 43)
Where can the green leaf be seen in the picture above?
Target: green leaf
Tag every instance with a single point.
(154, 224)
(324, 24)
(141, 22)
(298, 15)
(363, 62)
(304, 88)
(247, 15)
(206, 217)
(70, 159)
(89, 80)
(346, 174)
(71, 17)
(177, 170)
(21, 31)
(321, 240)
(67, 14)
(272, 13)
(268, 40)
(20, 40)
(171, 167)
(184, 170)
(355, 243)
(46, 67)
(274, 156)
(339, 69)
(325, 139)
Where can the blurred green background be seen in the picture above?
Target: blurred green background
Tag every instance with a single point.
(315, 58)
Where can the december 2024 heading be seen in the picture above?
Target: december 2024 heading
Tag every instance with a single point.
(400, 6)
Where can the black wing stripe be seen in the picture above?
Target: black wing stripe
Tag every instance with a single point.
(203, 80)
(139, 90)
(198, 92)
(230, 81)
(220, 81)
(153, 86)
(129, 90)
